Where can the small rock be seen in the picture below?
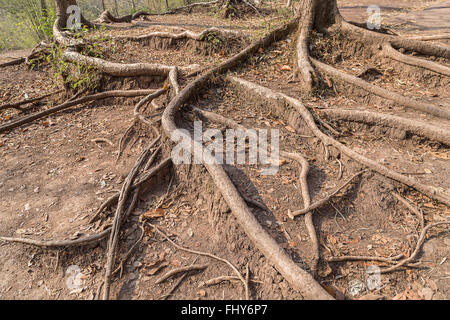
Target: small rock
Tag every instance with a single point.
(27, 207)
(36, 190)
(190, 232)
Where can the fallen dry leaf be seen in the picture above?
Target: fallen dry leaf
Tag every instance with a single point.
(155, 213)
(285, 68)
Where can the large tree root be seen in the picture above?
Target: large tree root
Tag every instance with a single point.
(120, 216)
(415, 127)
(368, 37)
(270, 95)
(297, 277)
(303, 182)
(387, 94)
(389, 52)
(95, 238)
(324, 201)
(17, 105)
(71, 103)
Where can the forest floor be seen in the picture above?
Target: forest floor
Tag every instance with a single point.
(54, 175)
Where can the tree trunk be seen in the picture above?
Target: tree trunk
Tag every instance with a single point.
(63, 16)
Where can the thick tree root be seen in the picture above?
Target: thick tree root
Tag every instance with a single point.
(391, 53)
(367, 36)
(415, 127)
(186, 34)
(303, 182)
(71, 103)
(121, 69)
(297, 277)
(107, 17)
(270, 95)
(120, 216)
(416, 251)
(412, 208)
(17, 105)
(398, 98)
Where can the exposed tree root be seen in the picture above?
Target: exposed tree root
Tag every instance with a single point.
(219, 280)
(120, 216)
(244, 282)
(416, 251)
(303, 182)
(416, 127)
(121, 69)
(13, 62)
(176, 271)
(431, 38)
(17, 105)
(368, 36)
(392, 260)
(398, 98)
(95, 238)
(71, 103)
(324, 201)
(304, 31)
(391, 53)
(412, 208)
(270, 95)
(297, 277)
(107, 17)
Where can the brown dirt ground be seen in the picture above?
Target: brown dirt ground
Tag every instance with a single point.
(53, 177)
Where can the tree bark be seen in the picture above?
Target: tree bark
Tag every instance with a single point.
(324, 12)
